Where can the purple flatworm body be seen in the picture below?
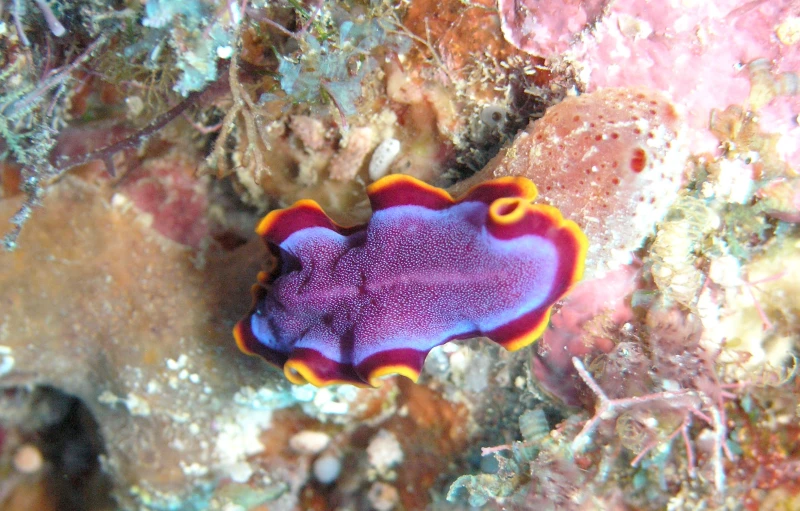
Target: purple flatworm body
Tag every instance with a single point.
(353, 304)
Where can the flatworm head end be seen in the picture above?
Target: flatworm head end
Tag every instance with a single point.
(512, 217)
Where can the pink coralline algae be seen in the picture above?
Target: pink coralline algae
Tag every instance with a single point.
(585, 325)
(176, 200)
(781, 199)
(696, 51)
(780, 117)
(547, 28)
(612, 161)
(706, 45)
(165, 190)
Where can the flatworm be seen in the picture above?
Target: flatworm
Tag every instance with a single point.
(353, 304)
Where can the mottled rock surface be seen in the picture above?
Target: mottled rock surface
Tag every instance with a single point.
(103, 308)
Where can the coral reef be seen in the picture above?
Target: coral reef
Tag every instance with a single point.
(141, 141)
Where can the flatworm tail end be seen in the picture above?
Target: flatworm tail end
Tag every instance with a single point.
(513, 217)
(247, 341)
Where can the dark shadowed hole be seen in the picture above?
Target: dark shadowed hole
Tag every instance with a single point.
(66, 434)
